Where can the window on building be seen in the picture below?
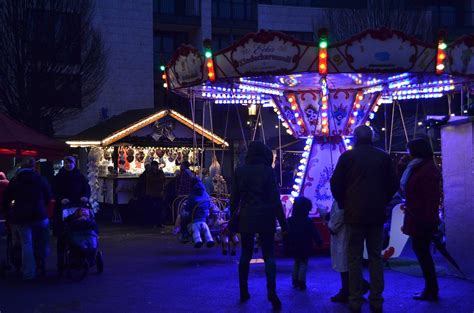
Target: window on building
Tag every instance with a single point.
(177, 7)
(165, 44)
(234, 9)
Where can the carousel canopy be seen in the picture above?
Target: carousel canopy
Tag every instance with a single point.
(136, 122)
(17, 139)
(323, 89)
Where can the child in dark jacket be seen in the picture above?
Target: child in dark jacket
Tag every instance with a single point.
(301, 234)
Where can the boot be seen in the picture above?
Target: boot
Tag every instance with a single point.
(244, 293)
(343, 295)
(272, 296)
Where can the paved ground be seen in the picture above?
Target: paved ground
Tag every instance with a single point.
(147, 271)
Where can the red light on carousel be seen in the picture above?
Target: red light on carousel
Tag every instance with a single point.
(323, 54)
(209, 62)
(441, 55)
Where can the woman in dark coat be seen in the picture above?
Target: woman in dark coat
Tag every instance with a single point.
(255, 202)
(421, 185)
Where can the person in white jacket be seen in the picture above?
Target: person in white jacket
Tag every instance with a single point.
(339, 241)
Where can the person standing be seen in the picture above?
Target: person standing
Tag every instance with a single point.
(150, 187)
(363, 183)
(31, 194)
(255, 204)
(3, 185)
(421, 185)
(70, 187)
(302, 233)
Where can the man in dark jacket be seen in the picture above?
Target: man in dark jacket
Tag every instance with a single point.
(255, 201)
(28, 215)
(149, 189)
(362, 184)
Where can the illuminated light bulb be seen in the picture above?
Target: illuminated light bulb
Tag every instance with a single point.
(322, 55)
(352, 121)
(307, 148)
(383, 129)
(300, 174)
(162, 67)
(303, 161)
(305, 154)
(324, 98)
(367, 123)
(290, 99)
(293, 107)
(165, 85)
(361, 97)
(299, 123)
(442, 46)
(289, 132)
(163, 76)
(355, 113)
(440, 67)
(211, 74)
(420, 123)
(296, 187)
(376, 108)
(324, 122)
(294, 194)
(285, 124)
(298, 180)
(349, 147)
(292, 199)
(324, 114)
(347, 140)
(325, 130)
(208, 54)
(324, 107)
(301, 167)
(276, 126)
(441, 56)
(275, 110)
(297, 115)
(322, 67)
(357, 105)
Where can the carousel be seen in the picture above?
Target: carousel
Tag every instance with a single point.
(322, 91)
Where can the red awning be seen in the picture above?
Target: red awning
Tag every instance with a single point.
(21, 140)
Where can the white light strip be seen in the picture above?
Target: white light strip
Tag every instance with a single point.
(84, 143)
(301, 170)
(203, 132)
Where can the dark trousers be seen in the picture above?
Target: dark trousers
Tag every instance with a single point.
(152, 213)
(267, 245)
(421, 247)
(300, 269)
(373, 235)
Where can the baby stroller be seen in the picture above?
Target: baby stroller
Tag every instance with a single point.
(78, 243)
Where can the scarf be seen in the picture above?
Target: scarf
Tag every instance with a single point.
(407, 173)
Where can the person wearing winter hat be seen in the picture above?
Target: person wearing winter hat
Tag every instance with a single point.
(30, 194)
(69, 187)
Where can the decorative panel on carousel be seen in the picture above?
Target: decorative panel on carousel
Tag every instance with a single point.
(186, 68)
(321, 164)
(381, 50)
(265, 53)
(461, 53)
(310, 103)
(360, 111)
(291, 114)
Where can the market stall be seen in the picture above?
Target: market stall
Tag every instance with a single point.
(119, 149)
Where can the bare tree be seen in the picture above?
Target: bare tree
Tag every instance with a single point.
(52, 60)
(344, 23)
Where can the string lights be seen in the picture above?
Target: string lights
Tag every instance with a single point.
(298, 183)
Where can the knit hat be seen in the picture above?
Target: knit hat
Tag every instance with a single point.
(70, 158)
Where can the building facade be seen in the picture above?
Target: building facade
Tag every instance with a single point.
(127, 32)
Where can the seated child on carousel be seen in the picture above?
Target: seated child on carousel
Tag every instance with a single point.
(193, 216)
(229, 239)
